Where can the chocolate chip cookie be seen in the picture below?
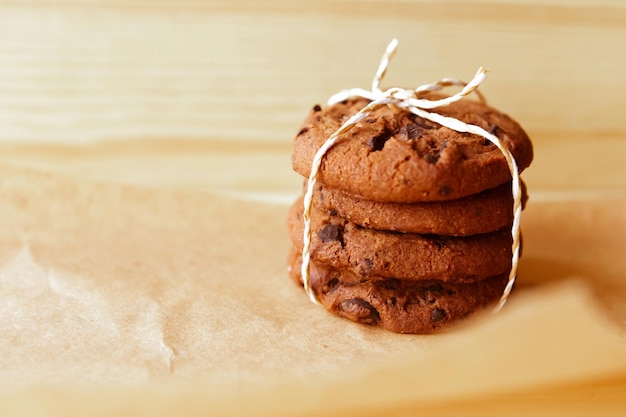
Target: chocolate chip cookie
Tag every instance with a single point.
(343, 244)
(485, 212)
(402, 306)
(395, 156)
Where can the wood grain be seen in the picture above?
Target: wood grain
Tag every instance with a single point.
(593, 168)
(78, 71)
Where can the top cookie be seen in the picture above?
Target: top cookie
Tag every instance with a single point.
(395, 156)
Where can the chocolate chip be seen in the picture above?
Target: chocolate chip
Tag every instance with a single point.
(494, 130)
(332, 212)
(377, 143)
(423, 123)
(331, 232)
(432, 158)
(359, 310)
(303, 131)
(445, 190)
(411, 131)
(317, 108)
(437, 315)
(434, 153)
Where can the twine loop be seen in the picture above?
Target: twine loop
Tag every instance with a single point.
(410, 100)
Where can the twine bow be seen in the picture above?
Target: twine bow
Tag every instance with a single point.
(410, 101)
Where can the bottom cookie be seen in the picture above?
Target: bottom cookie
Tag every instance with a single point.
(401, 306)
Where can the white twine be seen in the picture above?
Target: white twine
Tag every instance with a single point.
(410, 101)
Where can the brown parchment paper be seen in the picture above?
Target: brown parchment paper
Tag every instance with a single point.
(127, 300)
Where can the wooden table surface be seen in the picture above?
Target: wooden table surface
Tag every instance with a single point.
(208, 94)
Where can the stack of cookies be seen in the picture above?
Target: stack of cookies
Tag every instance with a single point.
(410, 221)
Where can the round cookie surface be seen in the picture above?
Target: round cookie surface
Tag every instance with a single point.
(342, 244)
(485, 212)
(394, 156)
(401, 306)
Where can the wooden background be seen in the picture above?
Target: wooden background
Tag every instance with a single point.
(210, 93)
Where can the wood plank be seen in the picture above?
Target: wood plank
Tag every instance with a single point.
(561, 165)
(77, 71)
